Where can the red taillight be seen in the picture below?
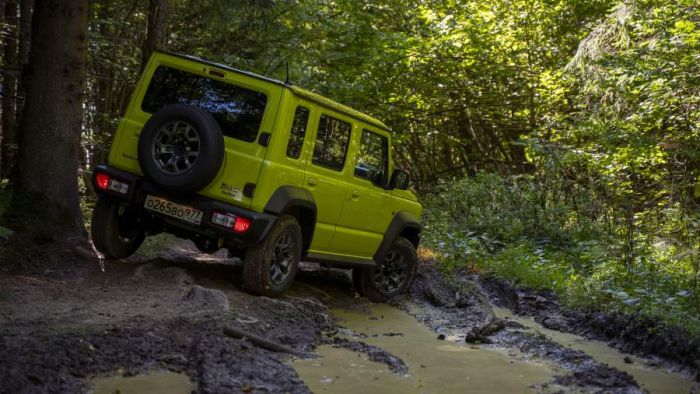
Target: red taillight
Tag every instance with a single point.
(241, 225)
(230, 221)
(105, 182)
(102, 181)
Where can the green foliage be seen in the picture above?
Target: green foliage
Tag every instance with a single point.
(527, 228)
(577, 123)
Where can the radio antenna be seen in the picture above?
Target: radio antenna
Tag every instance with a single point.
(288, 82)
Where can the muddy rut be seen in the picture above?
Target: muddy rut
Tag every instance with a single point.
(158, 320)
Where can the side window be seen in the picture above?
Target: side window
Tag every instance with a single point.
(331, 143)
(296, 135)
(373, 158)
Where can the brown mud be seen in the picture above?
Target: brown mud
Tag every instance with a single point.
(665, 346)
(165, 310)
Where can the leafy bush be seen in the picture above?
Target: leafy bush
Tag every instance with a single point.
(594, 254)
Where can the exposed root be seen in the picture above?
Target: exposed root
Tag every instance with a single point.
(264, 343)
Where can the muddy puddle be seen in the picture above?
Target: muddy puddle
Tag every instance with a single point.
(164, 383)
(654, 380)
(435, 366)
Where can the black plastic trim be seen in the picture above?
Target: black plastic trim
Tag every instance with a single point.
(260, 223)
(264, 139)
(288, 197)
(339, 261)
(401, 221)
(249, 189)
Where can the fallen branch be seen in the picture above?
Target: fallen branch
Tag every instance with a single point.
(480, 333)
(264, 343)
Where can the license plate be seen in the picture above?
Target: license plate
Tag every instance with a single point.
(169, 208)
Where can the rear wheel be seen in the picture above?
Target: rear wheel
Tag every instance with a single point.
(270, 266)
(395, 274)
(117, 231)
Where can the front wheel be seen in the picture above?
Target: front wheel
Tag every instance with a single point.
(271, 265)
(394, 276)
(117, 231)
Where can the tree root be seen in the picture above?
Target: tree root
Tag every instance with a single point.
(264, 343)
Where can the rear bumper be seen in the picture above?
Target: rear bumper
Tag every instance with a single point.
(260, 223)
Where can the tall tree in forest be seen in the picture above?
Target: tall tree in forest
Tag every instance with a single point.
(9, 87)
(45, 211)
(2, 23)
(25, 35)
(157, 33)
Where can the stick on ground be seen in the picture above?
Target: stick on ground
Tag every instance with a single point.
(264, 343)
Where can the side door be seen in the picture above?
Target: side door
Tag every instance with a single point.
(325, 173)
(366, 210)
(288, 152)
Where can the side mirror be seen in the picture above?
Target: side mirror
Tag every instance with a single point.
(400, 179)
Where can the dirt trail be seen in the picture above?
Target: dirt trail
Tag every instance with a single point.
(165, 310)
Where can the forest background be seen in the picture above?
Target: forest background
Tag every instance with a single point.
(553, 142)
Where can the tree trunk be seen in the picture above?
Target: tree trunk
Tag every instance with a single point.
(25, 35)
(45, 210)
(2, 61)
(9, 89)
(157, 31)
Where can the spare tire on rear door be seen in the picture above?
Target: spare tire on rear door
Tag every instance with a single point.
(181, 148)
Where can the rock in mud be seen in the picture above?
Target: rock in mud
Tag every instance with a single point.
(439, 293)
(556, 322)
(179, 276)
(202, 298)
(160, 271)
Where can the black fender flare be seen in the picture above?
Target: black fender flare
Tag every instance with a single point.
(402, 220)
(289, 199)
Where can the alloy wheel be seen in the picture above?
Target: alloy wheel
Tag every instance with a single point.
(391, 274)
(282, 258)
(176, 147)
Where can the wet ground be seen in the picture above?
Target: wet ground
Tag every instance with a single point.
(434, 366)
(156, 321)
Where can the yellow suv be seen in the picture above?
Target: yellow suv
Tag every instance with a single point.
(272, 172)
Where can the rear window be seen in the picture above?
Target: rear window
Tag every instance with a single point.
(239, 111)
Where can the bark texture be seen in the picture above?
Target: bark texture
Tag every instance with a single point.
(157, 33)
(9, 88)
(25, 37)
(45, 211)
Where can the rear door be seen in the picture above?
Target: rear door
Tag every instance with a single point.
(326, 173)
(243, 106)
(366, 210)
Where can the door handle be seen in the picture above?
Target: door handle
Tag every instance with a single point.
(312, 181)
(356, 194)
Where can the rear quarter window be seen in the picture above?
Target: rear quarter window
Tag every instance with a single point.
(331, 145)
(239, 111)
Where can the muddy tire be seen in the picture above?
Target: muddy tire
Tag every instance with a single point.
(394, 276)
(181, 148)
(271, 265)
(117, 232)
